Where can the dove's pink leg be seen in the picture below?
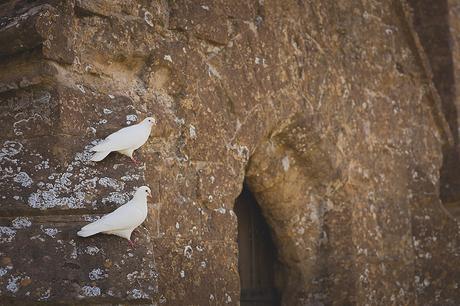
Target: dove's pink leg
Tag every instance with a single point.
(131, 243)
(135, 161)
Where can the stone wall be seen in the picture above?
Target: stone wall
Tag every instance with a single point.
(436, 25)
(325, 108)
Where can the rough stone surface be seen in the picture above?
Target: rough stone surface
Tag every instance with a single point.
(326, 108)
(437, 26)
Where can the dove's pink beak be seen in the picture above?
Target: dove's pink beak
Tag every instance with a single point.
(149, 196)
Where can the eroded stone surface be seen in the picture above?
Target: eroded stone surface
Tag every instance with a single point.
(42, 259)
(324, 107)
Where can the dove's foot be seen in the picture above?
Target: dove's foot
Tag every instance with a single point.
(131, 243)
(135, 161)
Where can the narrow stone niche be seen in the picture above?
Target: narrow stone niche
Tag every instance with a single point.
(257, 260)
(434, 25)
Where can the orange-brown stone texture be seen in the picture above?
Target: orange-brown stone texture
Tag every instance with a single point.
(326, 109)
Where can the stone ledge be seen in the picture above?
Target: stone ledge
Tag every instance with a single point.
(21, 33)
(43, 27)
(102, 268)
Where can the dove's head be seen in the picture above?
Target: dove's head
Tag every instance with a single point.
(143, 192)
(150, 121)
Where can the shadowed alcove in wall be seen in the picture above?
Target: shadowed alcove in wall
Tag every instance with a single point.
(433, 24)
(295, 179)
(257, 260)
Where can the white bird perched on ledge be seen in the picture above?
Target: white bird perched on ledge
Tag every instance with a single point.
(123, 220)
(124, 141)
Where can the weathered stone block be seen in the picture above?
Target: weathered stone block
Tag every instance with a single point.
(98, 269)
(325, 109)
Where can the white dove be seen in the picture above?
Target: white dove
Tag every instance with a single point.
(123, 220)
(124, 141)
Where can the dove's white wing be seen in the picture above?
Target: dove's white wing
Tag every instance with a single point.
(124, 217)
(126, 138)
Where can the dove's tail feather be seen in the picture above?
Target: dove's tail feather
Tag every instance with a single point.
(98, 156)
(91, 229)
(83, 233)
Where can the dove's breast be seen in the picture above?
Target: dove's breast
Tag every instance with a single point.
(142, 137)
(139, 216)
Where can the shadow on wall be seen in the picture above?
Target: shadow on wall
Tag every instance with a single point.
(433, 27)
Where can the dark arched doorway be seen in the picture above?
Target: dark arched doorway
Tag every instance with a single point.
(257, 254)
